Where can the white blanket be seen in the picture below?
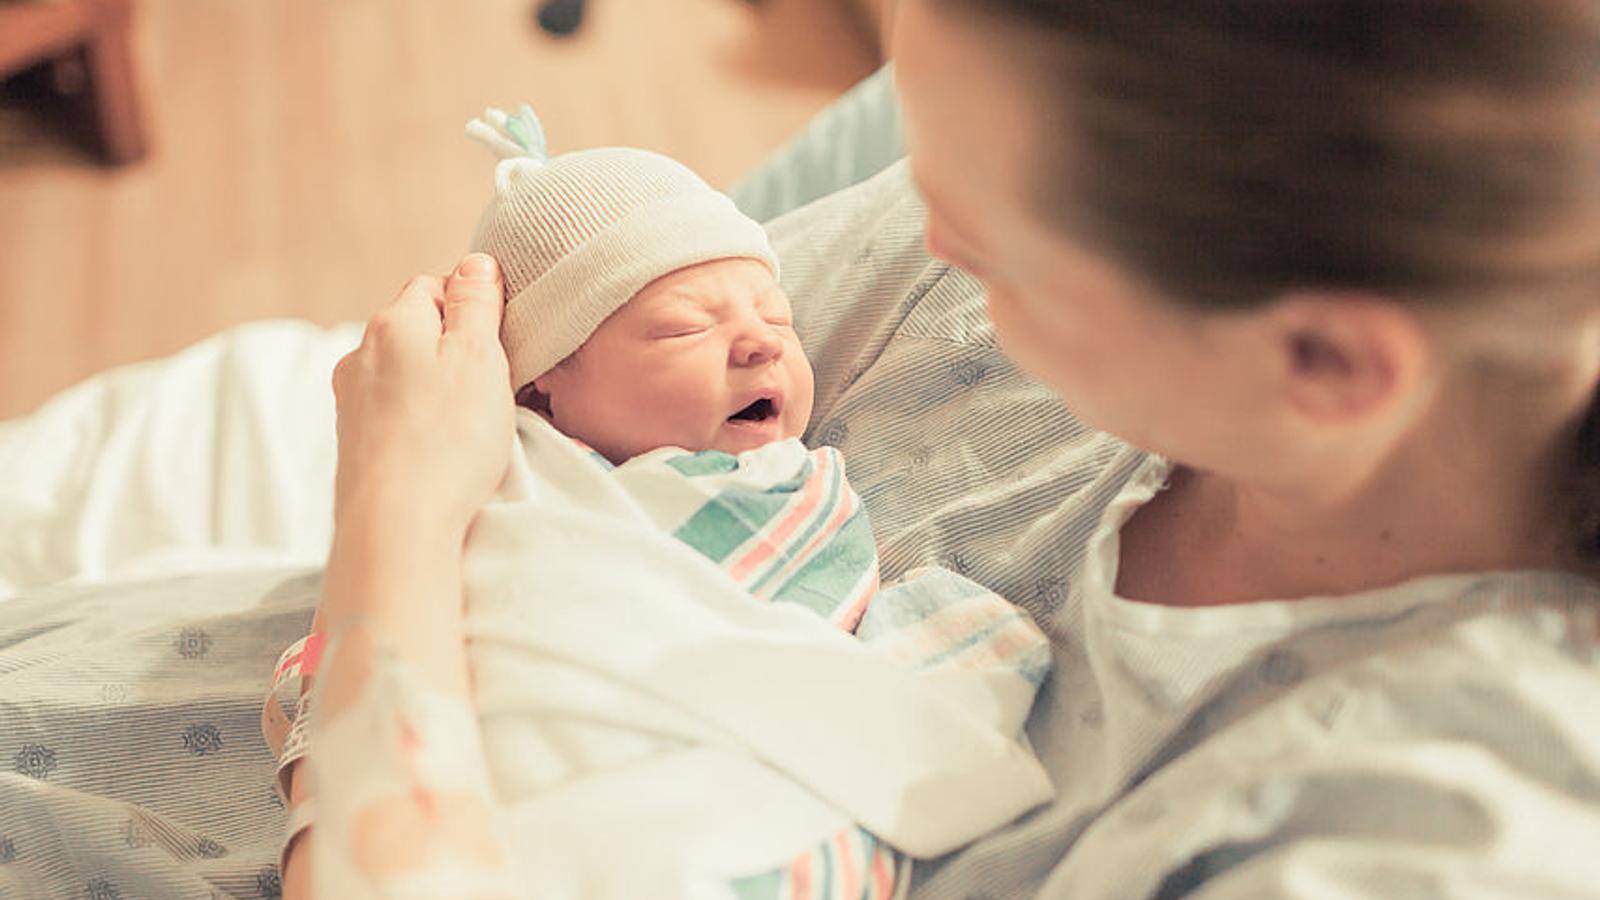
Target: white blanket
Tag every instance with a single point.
(702, 735)
(220, 456)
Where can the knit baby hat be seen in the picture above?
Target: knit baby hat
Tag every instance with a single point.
(578, 235)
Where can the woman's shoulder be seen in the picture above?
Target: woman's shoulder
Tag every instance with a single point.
(885, 202)
(1504, 667)
(1523, 647)
(855, 264)
(1452, 739)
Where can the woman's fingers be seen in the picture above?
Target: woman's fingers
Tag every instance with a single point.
(466, 305)
(421, 294)
(473, 300)
(409, 322)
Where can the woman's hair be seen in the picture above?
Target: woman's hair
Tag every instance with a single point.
(1426, 150)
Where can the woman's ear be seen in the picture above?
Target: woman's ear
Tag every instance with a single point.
(1348, 357)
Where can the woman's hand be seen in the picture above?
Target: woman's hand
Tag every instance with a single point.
(425, 413)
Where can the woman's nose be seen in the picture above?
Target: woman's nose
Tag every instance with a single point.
(758, 345)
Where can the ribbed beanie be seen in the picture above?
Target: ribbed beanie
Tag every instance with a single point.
(580, 234)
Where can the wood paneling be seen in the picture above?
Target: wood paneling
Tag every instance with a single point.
(307, 155)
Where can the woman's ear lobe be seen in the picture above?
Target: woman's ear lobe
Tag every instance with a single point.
(1346, 357)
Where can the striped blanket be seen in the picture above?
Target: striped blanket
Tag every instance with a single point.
(782, 521)
(651, 731)
(785, 525)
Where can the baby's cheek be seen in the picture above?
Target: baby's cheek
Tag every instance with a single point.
(799, 409)
(661, 416)
(795, 420)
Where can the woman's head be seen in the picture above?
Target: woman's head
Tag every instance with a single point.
(1261, 237)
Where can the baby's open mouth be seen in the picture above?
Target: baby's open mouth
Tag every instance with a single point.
(759, 411)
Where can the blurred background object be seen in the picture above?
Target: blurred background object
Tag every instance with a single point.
(561, 17)
(305, 157)
(83, 48)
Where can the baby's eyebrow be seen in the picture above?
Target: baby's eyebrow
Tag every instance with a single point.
(773, 296)
(682, 299)
(669, 312)
(717, 303)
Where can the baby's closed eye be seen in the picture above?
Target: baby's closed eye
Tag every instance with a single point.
(673, 328)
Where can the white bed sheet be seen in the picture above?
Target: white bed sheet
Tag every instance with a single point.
(219, 456)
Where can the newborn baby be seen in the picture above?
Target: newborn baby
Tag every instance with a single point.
(644, 320)
(643, 309)
(651, 725)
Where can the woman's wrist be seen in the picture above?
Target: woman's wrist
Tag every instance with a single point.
(396, 525)
(385, 554)
(397, 507)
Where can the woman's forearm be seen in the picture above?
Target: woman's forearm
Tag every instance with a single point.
(398, 575)
(396, 579)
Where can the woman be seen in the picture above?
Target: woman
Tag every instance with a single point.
(1324, 624)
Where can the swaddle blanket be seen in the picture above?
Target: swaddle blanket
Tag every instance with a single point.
(781, 521)
(651, 727)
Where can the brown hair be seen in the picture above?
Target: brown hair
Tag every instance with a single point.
(1424, 150)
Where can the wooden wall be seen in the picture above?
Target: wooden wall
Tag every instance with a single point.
(307, 155)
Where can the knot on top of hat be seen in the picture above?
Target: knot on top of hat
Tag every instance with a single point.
(519, 136)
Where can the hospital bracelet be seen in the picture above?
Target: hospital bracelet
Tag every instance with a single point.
(287, 735)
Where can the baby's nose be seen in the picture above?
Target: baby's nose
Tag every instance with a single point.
(757, 346)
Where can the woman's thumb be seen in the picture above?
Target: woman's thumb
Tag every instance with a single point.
(473, 297)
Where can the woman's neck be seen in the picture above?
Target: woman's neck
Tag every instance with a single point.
(1475, 486)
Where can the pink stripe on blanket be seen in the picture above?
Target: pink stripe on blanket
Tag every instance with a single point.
(848, 884)
(882, 873)
(847, 507)
(769, 539)
(800, 877)
(849, 617)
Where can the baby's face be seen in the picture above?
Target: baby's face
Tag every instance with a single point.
(705, 358)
